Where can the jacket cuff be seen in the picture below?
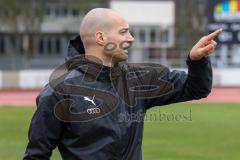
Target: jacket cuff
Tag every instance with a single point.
(202, 62)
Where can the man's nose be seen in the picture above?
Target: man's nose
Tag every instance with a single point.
(131, 38)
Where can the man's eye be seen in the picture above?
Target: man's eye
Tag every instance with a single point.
(123, 32)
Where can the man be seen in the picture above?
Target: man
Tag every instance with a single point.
(94, 109)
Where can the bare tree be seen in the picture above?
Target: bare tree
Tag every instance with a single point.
(21, 18)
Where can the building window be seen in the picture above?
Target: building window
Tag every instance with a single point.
(2, 46)
(75, 12)
(41, 46)
(49, 46)
(142, 35)
(164, 36)
(61, 11)
(58, 12)
(48, 11)
(153, 35)
(58, 50)
(20, 43)
(65, 12)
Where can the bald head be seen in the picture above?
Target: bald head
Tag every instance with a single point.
(105, 35)
(98, 19)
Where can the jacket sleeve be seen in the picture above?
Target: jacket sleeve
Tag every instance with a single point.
(45, 129)
(195, 85)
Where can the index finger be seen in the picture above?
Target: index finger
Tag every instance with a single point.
(214, 34)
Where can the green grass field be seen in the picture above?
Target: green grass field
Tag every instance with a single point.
(212, 133)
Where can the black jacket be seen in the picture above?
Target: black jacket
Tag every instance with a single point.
(93, 112)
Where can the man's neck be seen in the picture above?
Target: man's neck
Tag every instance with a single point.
(100, 59)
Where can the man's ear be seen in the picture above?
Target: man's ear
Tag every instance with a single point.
(100, 38)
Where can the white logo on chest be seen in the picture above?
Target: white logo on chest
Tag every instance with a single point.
(90, 100)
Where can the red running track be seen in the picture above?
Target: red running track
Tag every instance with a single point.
(27, 97)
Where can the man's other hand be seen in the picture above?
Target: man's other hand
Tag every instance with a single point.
(205, 46)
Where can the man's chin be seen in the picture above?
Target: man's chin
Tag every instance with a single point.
(120, 57)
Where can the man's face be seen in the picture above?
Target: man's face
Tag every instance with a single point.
(119, 40)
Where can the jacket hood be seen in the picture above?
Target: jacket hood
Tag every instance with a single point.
(75, 48)
(76, 56)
